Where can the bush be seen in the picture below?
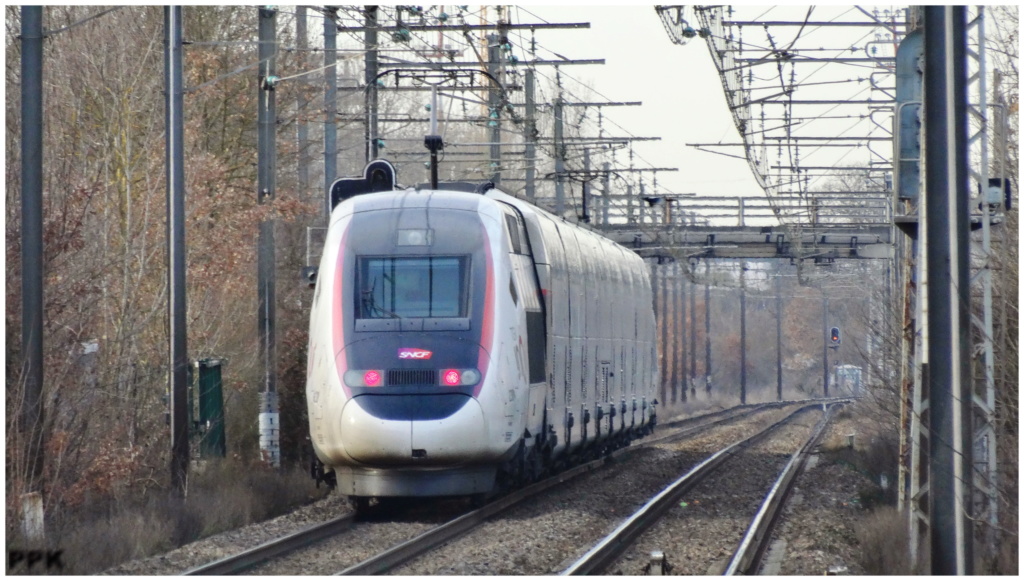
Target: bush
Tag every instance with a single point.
(127, 534)
(875, 454)
(222, 495)
(883, 542)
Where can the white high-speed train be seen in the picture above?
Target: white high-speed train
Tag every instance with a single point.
(462, 341)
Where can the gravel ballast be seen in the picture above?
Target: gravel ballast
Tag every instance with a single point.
(549, 532)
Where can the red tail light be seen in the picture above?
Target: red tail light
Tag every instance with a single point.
(451, 377)
(371, 378)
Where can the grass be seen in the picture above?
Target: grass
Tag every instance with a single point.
(880, 530)
(222, 495)
(883, 542)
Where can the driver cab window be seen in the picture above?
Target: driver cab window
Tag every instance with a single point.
(412, 287)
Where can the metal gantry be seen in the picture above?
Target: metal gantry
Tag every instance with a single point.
(806, 147)
(987, 209)
(811, 91)
(983, 118)
(782, 69)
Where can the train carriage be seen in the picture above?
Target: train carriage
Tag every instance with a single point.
(461, 341)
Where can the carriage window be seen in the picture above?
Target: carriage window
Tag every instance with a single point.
(412, 287)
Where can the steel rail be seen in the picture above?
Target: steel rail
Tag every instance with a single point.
(405, 552)
(608, 549)
(409, 550)
(400, 554)
(751, 409)
(274, 548)
(751, 549)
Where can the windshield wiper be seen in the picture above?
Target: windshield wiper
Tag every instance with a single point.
(370, 304)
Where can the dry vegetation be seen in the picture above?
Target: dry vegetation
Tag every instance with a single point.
(223, 495)
(104, 479)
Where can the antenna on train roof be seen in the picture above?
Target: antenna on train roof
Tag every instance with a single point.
(433, 141)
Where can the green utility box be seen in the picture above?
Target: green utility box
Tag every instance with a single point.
(212, 442)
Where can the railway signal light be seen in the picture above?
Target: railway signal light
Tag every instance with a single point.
(834, 335)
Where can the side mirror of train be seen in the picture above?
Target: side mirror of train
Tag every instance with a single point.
(309, 275)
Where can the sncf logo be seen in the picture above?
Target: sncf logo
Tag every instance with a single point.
(409, 353)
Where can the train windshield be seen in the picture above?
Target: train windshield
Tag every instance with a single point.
(412, 287)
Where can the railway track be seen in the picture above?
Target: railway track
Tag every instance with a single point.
(348, 527)
(746, 557)
(245, 560)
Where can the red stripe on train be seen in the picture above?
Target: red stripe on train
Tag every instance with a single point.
(338, 316)
(487, 328)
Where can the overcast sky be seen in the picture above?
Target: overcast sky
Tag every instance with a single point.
(683, 100)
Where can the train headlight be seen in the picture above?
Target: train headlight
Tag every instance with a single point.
(457, 377)
(363, 377)
(419, 237)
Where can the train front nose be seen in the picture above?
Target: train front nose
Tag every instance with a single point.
(383, 430)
